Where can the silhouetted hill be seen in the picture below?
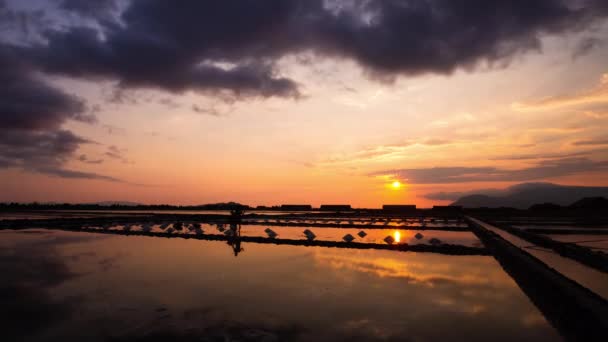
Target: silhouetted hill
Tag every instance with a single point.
(594, 203)
(546, 207)
(523, 196)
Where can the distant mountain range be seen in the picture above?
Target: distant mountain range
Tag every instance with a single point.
(524, 195)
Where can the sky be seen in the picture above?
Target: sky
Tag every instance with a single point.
(299, 101)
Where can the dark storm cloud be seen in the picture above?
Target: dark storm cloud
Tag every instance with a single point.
(28, 102)
(544, 169)
(20, 21)
(31, 115)
(35, 148)
(230, 49)
(97, 9)
(232, 45)
(140, 59)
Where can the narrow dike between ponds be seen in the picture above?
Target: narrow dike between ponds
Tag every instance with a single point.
(552, 283)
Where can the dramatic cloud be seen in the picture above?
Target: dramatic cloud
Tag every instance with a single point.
(103, 10)
(31, 149)
(544, 169)
(233, 49)
(233, 45)
(28, 102)
(31, 115)
(20, 23)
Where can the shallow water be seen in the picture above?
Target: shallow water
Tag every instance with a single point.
(597, 242)
(372, 235)
(93, 286)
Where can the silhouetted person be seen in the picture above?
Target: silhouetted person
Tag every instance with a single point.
(234, 239)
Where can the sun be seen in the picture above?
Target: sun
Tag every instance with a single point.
(396, 185)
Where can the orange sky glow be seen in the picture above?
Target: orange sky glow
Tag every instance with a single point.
(540, 116)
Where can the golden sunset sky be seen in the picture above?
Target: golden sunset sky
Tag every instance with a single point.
(528, 104)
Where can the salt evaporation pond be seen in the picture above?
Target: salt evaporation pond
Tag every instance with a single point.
(88, 286)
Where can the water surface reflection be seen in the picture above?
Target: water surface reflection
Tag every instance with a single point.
(126, 286)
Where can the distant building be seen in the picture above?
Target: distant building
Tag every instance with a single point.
(296, 207)
(335, 207)
(450, 208)
(399, 208)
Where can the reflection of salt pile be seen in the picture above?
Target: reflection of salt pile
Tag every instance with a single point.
(170, 230)
(229, 232)
(164, 226)
(178, 226)
(348, 238)
(435, 241)
(309, 235)
(418, 236)
(146, 227)
(271, 233)
(197, 228)
(362, 234)
(127, 227)
(389, 239)
(220, 227)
